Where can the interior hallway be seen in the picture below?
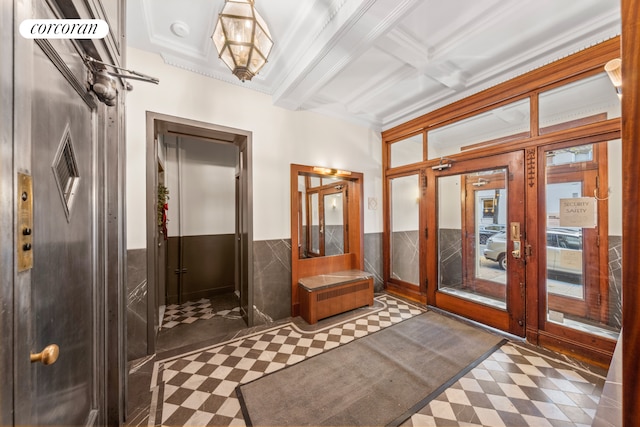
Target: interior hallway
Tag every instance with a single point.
(517, 385)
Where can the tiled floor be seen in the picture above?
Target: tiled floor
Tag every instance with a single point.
(189, 312)
(198, 388)
(515, 386)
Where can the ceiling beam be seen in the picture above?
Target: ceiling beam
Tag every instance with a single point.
(353, 29)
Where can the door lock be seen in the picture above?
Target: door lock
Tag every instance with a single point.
(516, 250)
(25, 222)
(515, 238)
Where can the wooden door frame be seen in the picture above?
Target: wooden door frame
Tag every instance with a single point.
(513, 319)
(630, 13)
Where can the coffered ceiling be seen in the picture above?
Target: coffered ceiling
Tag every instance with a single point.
(379, 62)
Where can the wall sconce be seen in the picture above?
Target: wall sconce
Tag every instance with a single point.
(614, 70)
(329, 171)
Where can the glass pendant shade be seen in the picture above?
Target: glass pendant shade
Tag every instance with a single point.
(242, 38)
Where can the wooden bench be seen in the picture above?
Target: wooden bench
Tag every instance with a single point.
(334, 293)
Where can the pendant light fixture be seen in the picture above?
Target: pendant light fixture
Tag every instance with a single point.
(242, 38)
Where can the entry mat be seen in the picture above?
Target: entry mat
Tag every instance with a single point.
(380, 379)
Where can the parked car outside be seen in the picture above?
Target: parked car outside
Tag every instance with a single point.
(487, 230)
(564, 250)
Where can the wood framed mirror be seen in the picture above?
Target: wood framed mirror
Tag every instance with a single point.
(326, 223)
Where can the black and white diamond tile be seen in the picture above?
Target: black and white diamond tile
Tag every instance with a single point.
(516, 387)
(198, 388)
(189, 312)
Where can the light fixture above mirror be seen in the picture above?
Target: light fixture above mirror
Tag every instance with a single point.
(330, 171)
(242, 38)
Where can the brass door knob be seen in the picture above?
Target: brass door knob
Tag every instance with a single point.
(48, 356)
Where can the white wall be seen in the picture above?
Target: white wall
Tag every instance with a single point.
(449, 203)
(280, 137)
(202, 201)
(405, 196)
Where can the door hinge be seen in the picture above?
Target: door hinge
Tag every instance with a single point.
(426, 233)
(599, 299)
(180, 270)
(598, 241)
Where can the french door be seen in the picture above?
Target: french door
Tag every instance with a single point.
(479, 216)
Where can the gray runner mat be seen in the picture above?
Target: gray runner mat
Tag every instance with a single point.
(371, 381)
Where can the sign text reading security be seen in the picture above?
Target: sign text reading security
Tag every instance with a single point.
(64, 29)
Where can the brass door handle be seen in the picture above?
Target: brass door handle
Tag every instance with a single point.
(47, 356)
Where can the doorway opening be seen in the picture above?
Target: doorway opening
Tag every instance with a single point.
(199, 231)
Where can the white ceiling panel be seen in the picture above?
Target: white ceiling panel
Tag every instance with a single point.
(379, 62)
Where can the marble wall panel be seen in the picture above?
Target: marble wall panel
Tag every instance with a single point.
(450, 253)
(271, 280)
(373, 261)
(136, 303)
(272, 275)
(405, 256)
(615, 281)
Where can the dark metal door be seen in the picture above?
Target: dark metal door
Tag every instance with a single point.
(58, 299)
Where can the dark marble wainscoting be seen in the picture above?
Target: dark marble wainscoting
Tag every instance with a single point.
(405, 256)
(615, 281)
(450, 253)
(272, 275)
(136, 303)
(209, 261)
(373, 262)
(271, 280)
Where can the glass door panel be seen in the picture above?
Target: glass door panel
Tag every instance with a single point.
(472, 236)
(564, 264)
(405, 223)
(581, 261)
(480, 212)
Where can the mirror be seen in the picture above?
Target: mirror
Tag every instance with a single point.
(327, 224)
(323, 215)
